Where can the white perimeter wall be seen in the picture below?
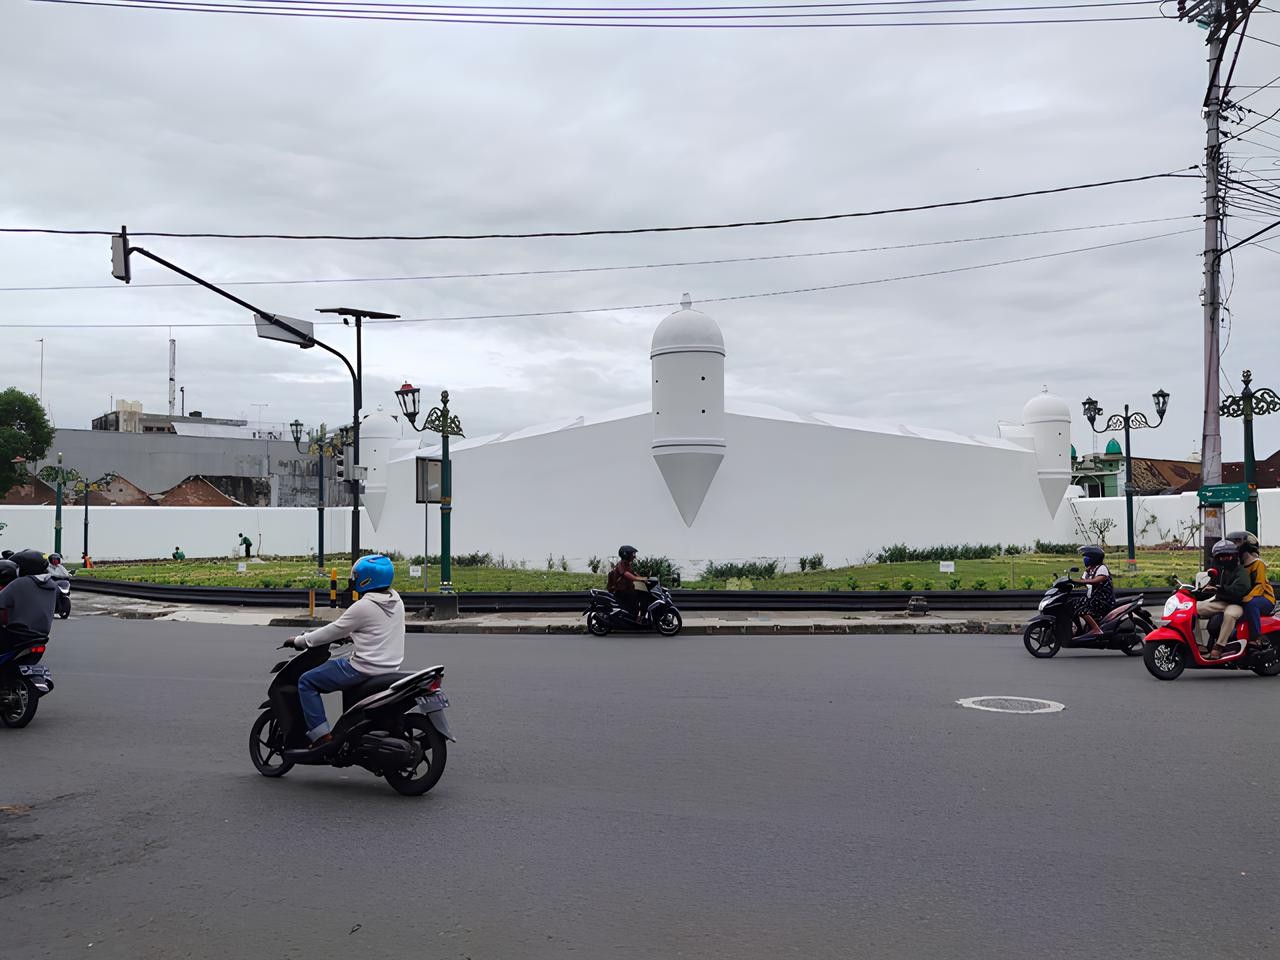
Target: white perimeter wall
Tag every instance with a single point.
(1159, 519)
(129, 533)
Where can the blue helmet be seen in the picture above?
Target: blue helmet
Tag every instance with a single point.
(374, 572)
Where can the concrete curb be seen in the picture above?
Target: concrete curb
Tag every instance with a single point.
(703, 630)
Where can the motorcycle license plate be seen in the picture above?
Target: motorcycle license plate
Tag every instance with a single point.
(434, 702)
(33, 670)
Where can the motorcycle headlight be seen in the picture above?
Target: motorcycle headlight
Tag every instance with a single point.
(1170, 607)
(1044, 603)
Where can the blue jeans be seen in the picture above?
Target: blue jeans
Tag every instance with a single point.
(327, 678)
(1254, 611)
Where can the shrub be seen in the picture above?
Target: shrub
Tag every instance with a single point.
(926, 585)
(979, 584)
(473, 559)
(1002, 584)
(551, 562)
(1028, 583)
(753, 570)
(395, 556)
(812, 562)
(908, 585)
(882, 585)
(417, 560)
(595, 564)
(564, 564)
(853, 583)
(901, 553)
(1014, 550)
(953, 583)
(1056, 549)
(660, 567)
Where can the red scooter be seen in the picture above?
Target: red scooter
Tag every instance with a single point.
(1172, 647)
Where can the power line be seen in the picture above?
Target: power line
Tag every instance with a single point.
(245, 10)
(665, 303)
(603, 269)
(615, 231)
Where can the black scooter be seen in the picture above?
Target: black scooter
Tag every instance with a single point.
(393, 725)
(1056, 625)
(23, 681)
(604, 614)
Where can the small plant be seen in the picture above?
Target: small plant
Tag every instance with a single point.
(1028, 583)
(812, 562)
(551, 562)
(953, 583)
(417, 560)
(882, 585)
(853, 583)
(979, 584)
(661, 567)
(564, 564)
(1002, 584)
(908, 585)
(595, 564)
(926, 585)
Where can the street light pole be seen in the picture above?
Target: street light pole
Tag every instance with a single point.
(438, 421)
(271, 326)
(323, 449)
(1135, 421)
(57, 509)
(1247, 405)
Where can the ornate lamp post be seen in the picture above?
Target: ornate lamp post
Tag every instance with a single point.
(1126, 422)
(437, 421)
(322, 446)
(1249, 404)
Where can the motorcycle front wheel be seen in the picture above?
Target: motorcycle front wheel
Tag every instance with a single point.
(669, 622)
(1165, 659)
(1271, 669)
(1041, 640)
(19, 704)
(266, 746)
(421, 778)
(598, 624)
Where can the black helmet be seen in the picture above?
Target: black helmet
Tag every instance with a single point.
(1244, 540)
(1092, 554)
(30, 563)
(627, 552)
(8, 573)
(5, 554)
(1225, 551)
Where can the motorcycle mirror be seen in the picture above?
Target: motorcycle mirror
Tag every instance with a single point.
(1075, 569)
(1174, 581)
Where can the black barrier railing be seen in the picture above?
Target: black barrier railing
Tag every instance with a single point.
(771, 601)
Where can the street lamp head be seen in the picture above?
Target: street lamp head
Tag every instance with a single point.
(1091, 410)
(1161, 397)
(295, 429)
(408, 395)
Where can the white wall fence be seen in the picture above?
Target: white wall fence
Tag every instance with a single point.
(128, 533)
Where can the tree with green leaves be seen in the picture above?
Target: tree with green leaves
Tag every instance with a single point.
(25, 436)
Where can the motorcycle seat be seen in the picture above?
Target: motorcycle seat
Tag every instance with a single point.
(375, 685)
(1121, 606)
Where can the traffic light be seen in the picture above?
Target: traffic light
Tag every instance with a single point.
(339, 464)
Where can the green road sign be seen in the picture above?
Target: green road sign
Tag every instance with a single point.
(1228, 493)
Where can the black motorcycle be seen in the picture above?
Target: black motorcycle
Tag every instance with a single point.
(1056, 625)
(605, 614)
(393, 725)
(23, 681)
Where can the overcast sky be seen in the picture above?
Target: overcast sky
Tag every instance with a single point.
(190, 122)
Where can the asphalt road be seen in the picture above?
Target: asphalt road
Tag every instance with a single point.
(703, 797)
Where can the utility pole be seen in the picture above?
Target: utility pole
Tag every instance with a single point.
(1220, 18)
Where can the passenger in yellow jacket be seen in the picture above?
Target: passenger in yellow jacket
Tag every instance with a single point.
(1261, 598)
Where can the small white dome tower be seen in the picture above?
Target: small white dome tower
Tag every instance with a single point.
(1047, 420)
(687, 356)
(378, 432)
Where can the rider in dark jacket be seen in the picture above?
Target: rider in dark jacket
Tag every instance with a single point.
(27, 603)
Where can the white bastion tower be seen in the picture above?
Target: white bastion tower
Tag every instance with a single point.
(687, 357)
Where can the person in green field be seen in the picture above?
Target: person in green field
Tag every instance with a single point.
(247, 544)
(178, 554)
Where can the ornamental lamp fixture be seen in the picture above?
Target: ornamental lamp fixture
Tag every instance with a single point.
(409, 402)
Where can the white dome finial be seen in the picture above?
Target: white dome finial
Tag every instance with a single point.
(686, 302)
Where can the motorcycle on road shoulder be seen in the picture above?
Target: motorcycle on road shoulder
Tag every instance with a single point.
(1056, 625)
(605, 614)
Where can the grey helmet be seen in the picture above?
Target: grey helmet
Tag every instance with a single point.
(1245, 541)
(1226, 553)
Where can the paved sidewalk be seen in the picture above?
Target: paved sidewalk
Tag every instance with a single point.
(700, 623)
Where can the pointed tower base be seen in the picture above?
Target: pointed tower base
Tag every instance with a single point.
(688, 474)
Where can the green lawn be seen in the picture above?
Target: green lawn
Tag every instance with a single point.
(1017, 573)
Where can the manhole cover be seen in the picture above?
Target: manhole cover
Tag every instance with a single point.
(1012, 704)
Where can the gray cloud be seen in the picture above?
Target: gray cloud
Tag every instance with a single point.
(250, 124)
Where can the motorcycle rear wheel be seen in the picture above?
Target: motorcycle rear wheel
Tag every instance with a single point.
(416, 782)
(1140, 630)
(598, 624)
(1041, 640)
(21, 708)
(266, 746)
(1165, 659)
